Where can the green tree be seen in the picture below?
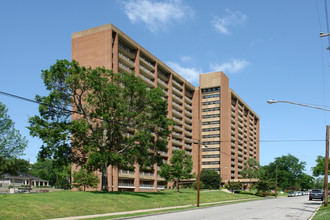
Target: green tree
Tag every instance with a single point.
(117, 120)
(265, 185)
(48, 169)
(12, 144)
(306, 181)
(180, 168)
(319, 183)
(84, 178)
(318, 170)
(289, 171)
(251, 169)
(13, 165)
(234, 185)
(211, 179)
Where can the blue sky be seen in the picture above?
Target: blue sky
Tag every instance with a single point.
(268, 49)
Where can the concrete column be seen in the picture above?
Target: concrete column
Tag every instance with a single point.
(137, 177)
(115, 179)
(137, 63)
(115, 54)
(156, 177)
(110, 178)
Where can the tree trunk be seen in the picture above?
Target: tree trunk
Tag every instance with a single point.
(177, 185)
(104, 181)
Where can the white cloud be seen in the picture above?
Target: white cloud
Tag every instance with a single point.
(221, 24)
(233, 66)
(190, 74)
(156, 14)
(185, 59)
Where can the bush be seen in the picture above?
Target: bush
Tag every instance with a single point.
(211, 179)
(246, 193)
(259, 194)
(201, 185)
(10, 186)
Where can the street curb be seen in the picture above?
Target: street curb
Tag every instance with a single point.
(149, 210)
(312, 216)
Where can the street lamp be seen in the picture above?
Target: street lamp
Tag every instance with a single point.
(198, 170)
(272, 101)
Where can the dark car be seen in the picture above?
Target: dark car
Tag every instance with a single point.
(316, 194)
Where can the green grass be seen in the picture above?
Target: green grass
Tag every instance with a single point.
(67, 203)
(323, 213)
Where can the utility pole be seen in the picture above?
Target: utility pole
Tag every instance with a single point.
(29, 177)
(276, 182)
(199, 148)
(326, 167)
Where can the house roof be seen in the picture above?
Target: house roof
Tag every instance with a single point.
(21, 175)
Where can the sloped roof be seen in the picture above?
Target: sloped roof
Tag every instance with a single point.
(21, 175)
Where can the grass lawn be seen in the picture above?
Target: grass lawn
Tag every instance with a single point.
(67, 203)
(323, 213)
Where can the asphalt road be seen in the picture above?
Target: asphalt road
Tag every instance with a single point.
(299, 208)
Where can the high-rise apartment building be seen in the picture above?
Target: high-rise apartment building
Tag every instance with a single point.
(228, 128)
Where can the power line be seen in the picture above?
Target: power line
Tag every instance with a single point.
(196, 139)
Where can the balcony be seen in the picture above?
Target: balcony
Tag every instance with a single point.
(125, 50)
(179, 85)
(147, 72)
(176, 134)
(162, 83)
(177, 113)
(177, 98)
(126, 185)
(124, 68)
(147, 63)
(188, 140)
(162, 75)
(176, 91)
(178, 128)
(188, 100)
(187, 126)
(187, 106)
(188, 133)
(177, 120)
(188, 113)
(126, 60)
(147, 186)
(188, 120)
(189, 147)
(176, 148)
(177, 106)
(149, 82)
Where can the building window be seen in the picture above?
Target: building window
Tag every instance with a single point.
(210, 142)
(211, 89)
(211, 116)
(211, 162)
(211, 156)
(211, 122)
(211, 129)
(210, 96)
(208, 149)
(211, 109)
(211, 103)
(215, 169)
(211, 136)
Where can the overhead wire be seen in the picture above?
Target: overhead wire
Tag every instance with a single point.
(196, 139)
(322, 47)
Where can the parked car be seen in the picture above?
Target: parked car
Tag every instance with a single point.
(292, 194)
(316, 194)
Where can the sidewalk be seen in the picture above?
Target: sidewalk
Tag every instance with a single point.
(146, 210)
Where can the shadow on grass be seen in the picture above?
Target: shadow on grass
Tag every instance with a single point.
(140, 194)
